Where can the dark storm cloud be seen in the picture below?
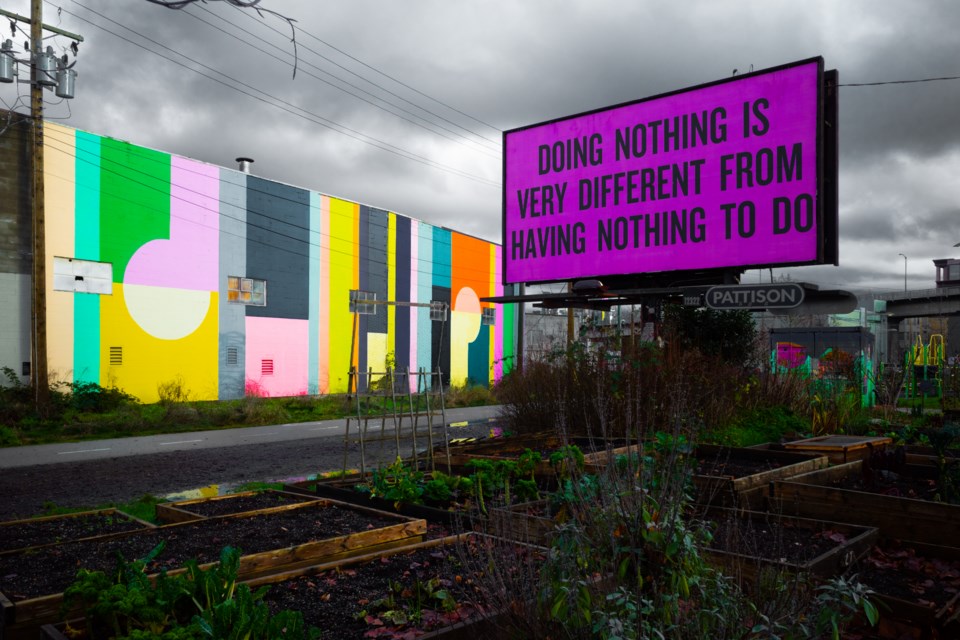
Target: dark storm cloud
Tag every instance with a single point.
(510, 64)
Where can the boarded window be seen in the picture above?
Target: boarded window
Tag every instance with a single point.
(82, 276)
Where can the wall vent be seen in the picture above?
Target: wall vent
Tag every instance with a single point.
(266, 367)
(233, 356)
(116, 355)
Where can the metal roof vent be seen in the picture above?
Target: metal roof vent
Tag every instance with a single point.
(245, 164)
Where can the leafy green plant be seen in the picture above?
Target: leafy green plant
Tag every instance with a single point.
(198, 603)
(397, 482)
(567, 460)
(406, 604)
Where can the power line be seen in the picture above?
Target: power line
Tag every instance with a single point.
(483, 150)
(878, 84)
(399, 82)
(314, 118)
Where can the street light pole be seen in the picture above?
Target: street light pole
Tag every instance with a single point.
(904, 271)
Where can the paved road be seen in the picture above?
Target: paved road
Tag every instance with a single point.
(36, 455)
(99, 472)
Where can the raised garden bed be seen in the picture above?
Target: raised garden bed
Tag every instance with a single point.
(376, 595)
(747, 542)
(31, 584)
(918, 586)
(345, 600)
(247, 503)
(889, 501)
(531, 522)
(16, 535)
(596, 451)
(840, 448)
(734, 476)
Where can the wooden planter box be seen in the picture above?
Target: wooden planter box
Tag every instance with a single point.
(26, 616)
(840, 448)
(52, 521)
(748, 567)
(910, 618)
(812, 495)
(528, 522)
(748, 491)
(483, 625)
(596, 451)
(189, 510)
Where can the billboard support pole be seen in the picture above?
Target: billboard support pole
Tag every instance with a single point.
(520, 327)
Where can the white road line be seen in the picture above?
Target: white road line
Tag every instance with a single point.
(163, 444)
(63, 453)
(332, 426)
(263, 435)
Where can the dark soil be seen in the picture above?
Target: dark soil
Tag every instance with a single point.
(728, 465)
(241, 503)
(354, 602)
(51, 569)
(890, 483)
(900, 571)
(774, 539)
(34, 533)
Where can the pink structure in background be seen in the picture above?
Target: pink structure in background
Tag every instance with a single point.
(276, 358)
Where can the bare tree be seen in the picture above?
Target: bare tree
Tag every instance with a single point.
(242, 4)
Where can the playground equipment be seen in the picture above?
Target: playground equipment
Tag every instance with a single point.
(834, 357)
(923, 368)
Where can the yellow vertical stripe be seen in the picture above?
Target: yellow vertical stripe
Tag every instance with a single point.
(60, 184)
(343, 277)
(493, 291)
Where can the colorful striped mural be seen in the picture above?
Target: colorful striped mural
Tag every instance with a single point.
(189, 242)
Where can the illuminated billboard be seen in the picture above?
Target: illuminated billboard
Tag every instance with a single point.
(724, 175)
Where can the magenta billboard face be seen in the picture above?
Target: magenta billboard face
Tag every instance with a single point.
(720, 176)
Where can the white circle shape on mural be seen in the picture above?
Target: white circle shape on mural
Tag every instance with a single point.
(466, 316)
(166, 313)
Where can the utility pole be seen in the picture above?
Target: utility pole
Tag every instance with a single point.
(45, 71)
(40, 377)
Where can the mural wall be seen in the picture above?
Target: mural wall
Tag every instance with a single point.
(226, 283)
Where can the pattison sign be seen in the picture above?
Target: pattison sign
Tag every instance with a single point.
(755, 296)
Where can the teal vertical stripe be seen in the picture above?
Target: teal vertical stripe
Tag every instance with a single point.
(442, 258)
(86, 306)
(313, 295)
(87, 196)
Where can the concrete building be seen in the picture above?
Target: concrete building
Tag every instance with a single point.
(162, 269)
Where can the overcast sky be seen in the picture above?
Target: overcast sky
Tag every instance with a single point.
(401, 105)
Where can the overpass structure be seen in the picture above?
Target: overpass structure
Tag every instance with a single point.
(923, 303)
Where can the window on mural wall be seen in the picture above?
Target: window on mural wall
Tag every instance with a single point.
(247, 291)
(489, 317)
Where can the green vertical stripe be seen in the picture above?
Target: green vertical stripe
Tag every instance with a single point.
(509, 346)
(86, 306)
(134, 201)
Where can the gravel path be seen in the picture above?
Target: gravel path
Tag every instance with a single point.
(25, 490)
